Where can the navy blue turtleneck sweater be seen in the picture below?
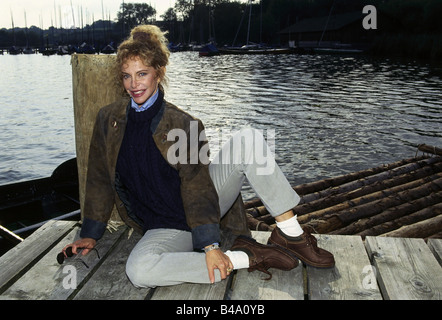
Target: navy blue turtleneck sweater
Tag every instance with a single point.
(153, 185)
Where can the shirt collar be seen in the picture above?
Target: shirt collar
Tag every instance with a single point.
(145, 105)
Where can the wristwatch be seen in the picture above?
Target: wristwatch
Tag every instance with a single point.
(211, 247)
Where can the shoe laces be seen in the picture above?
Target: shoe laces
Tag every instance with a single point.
(263, 268)
(311, 241)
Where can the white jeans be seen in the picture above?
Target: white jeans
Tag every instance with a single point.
(165, 256)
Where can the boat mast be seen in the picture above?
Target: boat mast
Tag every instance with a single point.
(13, 28)
(326, 24)
(250, 15)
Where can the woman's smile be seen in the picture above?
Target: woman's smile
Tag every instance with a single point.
(137, 94)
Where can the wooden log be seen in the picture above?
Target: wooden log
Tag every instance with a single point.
(257, 212)
(437, 235)
(374, 178)
(420, 229)
(369, 193)
(257, 225)
(396, 217)
(94, 86)
(331, 219)
(316, 186)
(355, 188)
(267, 219)
(370, 185)
(379, 199)
(430, 149)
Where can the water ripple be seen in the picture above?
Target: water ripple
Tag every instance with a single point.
(332, 115)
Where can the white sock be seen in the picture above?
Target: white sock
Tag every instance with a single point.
(290, 227)
(240, 259)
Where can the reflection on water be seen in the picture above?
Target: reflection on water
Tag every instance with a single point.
(331, 114)
(36, 118)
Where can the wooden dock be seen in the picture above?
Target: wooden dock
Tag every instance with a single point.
(383, 225)
(378, 268)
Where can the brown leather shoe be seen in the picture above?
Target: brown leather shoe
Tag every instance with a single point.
(262, 257)
(303, 247)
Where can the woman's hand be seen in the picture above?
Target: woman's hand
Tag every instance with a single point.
(87, 244)
(216, 259)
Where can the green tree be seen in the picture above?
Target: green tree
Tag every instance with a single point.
(133, 14)
(169, 15)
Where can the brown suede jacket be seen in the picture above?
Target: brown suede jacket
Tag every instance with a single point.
(198, 193)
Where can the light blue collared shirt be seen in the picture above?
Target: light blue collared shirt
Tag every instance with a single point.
(145, 105)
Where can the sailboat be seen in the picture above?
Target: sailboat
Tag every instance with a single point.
(14, 50)
(28, 49)
(209, 49)
(255, 49)
(250, 47)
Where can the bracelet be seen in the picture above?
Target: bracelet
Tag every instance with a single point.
(211, 247)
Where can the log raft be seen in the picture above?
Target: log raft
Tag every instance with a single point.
(401, 199)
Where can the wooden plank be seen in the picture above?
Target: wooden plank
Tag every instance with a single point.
(352, 277)
(192, 291)
(24, 255)
(284, 285)
(406, 268)
(110, 282)
(49, 280)
(435, 246)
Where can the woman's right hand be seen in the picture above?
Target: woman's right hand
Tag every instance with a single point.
(87, 244)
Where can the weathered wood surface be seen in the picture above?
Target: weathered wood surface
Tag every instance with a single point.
(91, 91)
(436, 247)
(24, 255)
(430, 149)
(352, 278)
(406, 268)
(401, 199)
(101, 285)
(49, 280)
(401, 268)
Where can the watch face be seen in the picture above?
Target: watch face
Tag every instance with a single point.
(212, 247)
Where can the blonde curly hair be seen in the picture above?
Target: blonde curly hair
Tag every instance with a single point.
(148, 43)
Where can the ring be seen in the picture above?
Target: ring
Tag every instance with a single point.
(229, 270)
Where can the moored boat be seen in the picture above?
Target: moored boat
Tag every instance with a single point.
(209, 50)
(259, 50)
(25, 206)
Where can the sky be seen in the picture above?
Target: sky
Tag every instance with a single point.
(40, 13)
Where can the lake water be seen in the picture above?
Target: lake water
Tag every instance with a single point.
(331, 115)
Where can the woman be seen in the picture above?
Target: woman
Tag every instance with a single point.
(173, 197)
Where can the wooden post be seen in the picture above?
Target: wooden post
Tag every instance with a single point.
(94, 86)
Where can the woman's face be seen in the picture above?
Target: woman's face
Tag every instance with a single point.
(139, 80)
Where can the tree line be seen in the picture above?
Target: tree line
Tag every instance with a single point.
(227, 22)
